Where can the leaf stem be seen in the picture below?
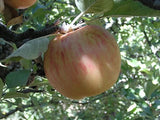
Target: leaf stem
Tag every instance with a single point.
(77, 18)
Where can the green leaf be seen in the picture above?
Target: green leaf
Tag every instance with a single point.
(39, 81)
(149, 88)
(145, 70)
(14, 94)
(26, 64)
(1, 87)
(2, 41)
(31, 49)
(131, 8)
(94, 6)
(156, 103)
(134, 63)
(17, 78)
(95, 22)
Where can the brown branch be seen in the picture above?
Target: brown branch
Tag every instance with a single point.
(18, 39)
(30, 90)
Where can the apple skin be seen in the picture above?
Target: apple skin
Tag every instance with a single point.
(83, 63)
(20, 4)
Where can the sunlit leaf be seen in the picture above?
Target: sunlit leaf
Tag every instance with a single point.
(149, 88)
(134, 63)
(31, 49)
(94, 6)
(131, 8)
(144, 70)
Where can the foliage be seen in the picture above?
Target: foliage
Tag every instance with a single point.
(136, 95)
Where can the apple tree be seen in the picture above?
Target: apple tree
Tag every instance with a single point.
(28, 27)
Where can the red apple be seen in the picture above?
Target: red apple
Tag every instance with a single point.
(83, 63)
(20, 4)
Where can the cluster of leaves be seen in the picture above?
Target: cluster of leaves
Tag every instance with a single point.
(27, 94)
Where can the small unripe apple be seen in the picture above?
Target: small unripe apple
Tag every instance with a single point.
(20, 4)
(83, 63)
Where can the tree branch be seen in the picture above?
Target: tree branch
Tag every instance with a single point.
(100, 96)
(30, 90)
(150, 45)
(15, 110)
(11, 36)
(147, 39)
(23, 107)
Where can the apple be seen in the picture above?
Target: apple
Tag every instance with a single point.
(20, 4)
(83, 63)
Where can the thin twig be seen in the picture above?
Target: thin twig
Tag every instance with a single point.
(15, 110)
(150, 45)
